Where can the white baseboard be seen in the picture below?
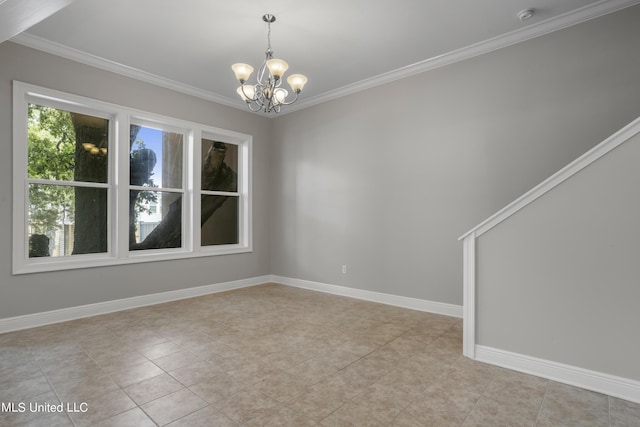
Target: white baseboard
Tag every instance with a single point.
(48, 317)
(611, 385)
(72, 313)
(395, 300)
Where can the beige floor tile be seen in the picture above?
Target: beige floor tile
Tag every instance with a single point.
(12, 340)
(131, 418)
(173, 406)
(384, 400)
(50, 420)
(277, 355)
(66, 364)
(153, 388)
(188, 338)
(24, 390)
(408, 347)
(176, 360)
(134, 374)
(218, 388)
(360, 346)
(340, 357)
(425, 335)
(113, 361)
(280, 417)
(449, 396)
(281, 386)
(195, 373)
(246, 405)
(288, 360)
(408, 380)
(567, 404)
(492, 413)
(213, 350)
(353, 415)
(141, 339)
(419, 414)
(314, 370)
(387, 332)
(347, 383)
(371, 367)
(517, 391)
(205, 417)
(317, 403)
(27, 411)
(13, 357)
(253, 372)
(44, 352)
(102, 407)
(16, 373)
(107, 349)
(160, 350)
(624, 413)
(77, 388)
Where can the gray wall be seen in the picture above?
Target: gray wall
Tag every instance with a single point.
(383, 181)
(33, 293)
(559, 280)
(386, 180)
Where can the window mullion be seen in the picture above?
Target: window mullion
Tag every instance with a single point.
(194, 187)
(163, 189)
(121, 220)
(87, 184)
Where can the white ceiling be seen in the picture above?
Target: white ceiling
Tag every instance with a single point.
(342, 46)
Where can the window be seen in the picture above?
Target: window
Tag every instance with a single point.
(67, 183)
(156, 177)
(220, 199)
(101, 184)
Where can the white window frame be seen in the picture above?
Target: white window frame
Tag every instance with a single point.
(118, 187)
(157, 122)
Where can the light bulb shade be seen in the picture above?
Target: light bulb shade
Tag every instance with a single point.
(279, 95)
(297, 82)
(88, 146)
(94, 150)
(277, 67)
(243, 71)
(247, 92)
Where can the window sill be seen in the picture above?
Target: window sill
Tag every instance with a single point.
(39, 265)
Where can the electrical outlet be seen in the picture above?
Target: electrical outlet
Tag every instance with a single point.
(344, 269)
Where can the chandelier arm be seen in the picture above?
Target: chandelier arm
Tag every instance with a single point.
(260, 75)
(272, 107)
(245, 95)
(259, 93)
(258, 106)
(292, 101)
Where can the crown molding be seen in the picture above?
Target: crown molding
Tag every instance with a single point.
(559, 22)
(76, 55)
(583, 14)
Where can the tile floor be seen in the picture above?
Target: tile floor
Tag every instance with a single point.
(272, 355)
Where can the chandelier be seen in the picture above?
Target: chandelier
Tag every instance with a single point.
(267, 95)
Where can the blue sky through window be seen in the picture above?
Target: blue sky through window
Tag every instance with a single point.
(152, 139)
